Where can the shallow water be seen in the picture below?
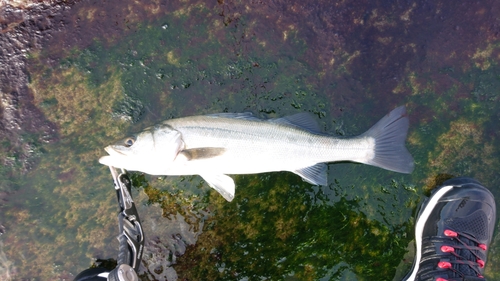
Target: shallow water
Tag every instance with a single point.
(93, 72)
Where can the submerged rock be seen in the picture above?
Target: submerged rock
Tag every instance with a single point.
(23, 126)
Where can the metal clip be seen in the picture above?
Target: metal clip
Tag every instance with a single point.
(122, 184)
(131, 235)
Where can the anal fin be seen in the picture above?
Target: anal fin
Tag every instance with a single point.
(315, 174)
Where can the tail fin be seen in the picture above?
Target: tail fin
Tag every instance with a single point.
(390, 135)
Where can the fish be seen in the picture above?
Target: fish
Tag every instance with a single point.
(217, 145)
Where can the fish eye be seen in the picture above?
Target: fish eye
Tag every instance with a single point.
(129, 142)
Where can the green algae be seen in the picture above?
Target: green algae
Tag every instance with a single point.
(305, 240)
(277, 228)
(457, 134)
(279, 231)
(62, 207)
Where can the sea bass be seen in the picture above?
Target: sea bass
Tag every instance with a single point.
(216, 145)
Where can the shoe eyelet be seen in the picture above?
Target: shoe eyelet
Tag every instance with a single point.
(444, 264)
(447, 249)
(450, 233)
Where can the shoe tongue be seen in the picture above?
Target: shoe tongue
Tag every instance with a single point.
(476, 223)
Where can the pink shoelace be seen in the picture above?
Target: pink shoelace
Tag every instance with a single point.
(462, 245)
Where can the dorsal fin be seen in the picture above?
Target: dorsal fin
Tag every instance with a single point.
(301, 120)
(243, 115)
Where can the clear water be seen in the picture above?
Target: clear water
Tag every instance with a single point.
(347, 63)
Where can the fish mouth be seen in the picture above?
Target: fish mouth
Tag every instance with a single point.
(113, 151)
(105, 160)
(111, 158)
(109, 149)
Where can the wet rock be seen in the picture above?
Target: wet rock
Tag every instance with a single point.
(169, 242)
(21, 31)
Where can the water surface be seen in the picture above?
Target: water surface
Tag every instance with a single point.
(94, 72)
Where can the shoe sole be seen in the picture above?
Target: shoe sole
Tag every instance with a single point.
(425, 211)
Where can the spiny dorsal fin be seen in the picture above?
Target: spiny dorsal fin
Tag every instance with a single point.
(302, 120)
(243, 115)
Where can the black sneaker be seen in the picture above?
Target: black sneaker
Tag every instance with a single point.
(453, 231)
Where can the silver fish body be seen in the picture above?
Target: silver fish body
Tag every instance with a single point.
(214, 146)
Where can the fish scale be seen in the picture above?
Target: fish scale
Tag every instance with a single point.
(276, 143)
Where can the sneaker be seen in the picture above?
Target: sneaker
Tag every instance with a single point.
(453, 231)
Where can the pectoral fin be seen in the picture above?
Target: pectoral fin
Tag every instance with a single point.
(222, 183)
(315, 174)
(201, 153)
